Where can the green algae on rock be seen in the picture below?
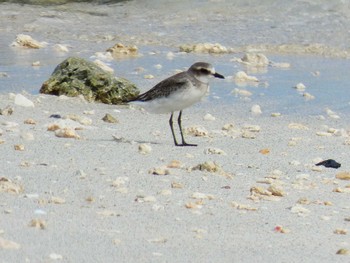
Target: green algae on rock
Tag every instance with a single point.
(77, 76)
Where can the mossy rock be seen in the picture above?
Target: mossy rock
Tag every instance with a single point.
(77, 76)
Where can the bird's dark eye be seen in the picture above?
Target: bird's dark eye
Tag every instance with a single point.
(204, 71)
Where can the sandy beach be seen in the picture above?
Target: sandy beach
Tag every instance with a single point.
(75, 188)
(100, 197)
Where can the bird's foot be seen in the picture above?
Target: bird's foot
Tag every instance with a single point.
(185, 144)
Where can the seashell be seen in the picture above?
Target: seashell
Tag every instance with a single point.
(144, 148)
(67, 133)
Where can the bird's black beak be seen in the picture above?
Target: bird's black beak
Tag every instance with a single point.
(217, 75)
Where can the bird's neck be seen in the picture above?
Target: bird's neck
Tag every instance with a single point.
(203, 79)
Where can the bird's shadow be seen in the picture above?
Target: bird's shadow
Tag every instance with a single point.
(127, 141)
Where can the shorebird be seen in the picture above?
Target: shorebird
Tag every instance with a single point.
(177, 93)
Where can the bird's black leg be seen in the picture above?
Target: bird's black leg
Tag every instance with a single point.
(182, 136)
(172, 129)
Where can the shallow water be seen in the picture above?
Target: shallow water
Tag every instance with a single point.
(160, 27)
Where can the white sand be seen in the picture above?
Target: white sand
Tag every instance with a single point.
(97, 201)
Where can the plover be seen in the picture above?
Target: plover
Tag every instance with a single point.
(177, 93)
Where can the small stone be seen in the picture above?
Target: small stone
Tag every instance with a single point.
(251, 128)
(144, 148)
(30, 121)
(158, 66)
(177, 185)
(228, 127)
(55, 256)
(323, 134)
(197, 195)
(343, 251)
(7, 186)
(119, 51)
(165, 192)
(277, 191)
(204, 48)
(82, 120)
(117, 241)
(38, 223)
(8, 110)
(241, 76)
(248, 135)
(19, 147)
(303, 201)
(300, 87)
(57, 200)
(53, 127)
(242, 92)
(208, 166)
(149, 76)
(276, 114)
(308, 96)
(107, 213)
(120, 181)
(255, 59)
(174, 164)
(301, 211)
(109, 118)
(148, 199)
(170, 55)
(60, 48)
(340, 231)
(196, 131)
(20, 100)
(297, 126)
(159, 171)
(214, 151)
(264, 151)
(27, 41)
(243, 207)
(28, 136)
(8, 244)
(36, 64)
(343, 176)
(256, 110)
(208, 117)
(89, 112)
(104, 66)
(90, 199)
(332, 114)
(67, 133)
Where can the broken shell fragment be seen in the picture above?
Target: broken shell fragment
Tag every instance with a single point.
(340, 231)
(30, 121)
(243, 207)
(159, 171)
(174, 164)
(343, 176)
(197, 195)
(109, 118)
(67, 133)
(7, 186)
(145, 148)
(19, 147)
(8, 244)
(38, 223)
(119, 50)
(196, 131)
(343, 251)
(214, 151)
